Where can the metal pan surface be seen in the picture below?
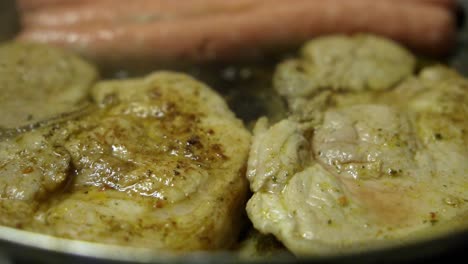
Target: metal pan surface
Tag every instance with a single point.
(18, 246)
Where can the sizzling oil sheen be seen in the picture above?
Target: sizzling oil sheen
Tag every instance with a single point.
(361, 163)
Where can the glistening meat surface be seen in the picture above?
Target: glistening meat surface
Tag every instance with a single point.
(361, 163)
(157, 163)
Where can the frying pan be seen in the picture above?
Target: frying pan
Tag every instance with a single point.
(17, 246)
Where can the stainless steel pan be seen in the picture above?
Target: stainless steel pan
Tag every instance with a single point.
(18, 246)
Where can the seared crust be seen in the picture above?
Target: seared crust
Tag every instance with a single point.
(159, 164)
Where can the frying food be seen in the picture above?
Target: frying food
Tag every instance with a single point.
(371, 155)
(161, 31)
(38, 82)
(31, 169)
(155, 162)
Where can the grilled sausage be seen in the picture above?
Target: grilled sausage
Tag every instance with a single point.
(251, 31)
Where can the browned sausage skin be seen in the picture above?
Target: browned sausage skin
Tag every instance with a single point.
(449, 4)
(45, 4)
(249, 31)
(66, 12)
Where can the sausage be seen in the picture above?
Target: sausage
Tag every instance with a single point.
(28, 5)
(118, 11)
(449, 4)
(250, 32)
